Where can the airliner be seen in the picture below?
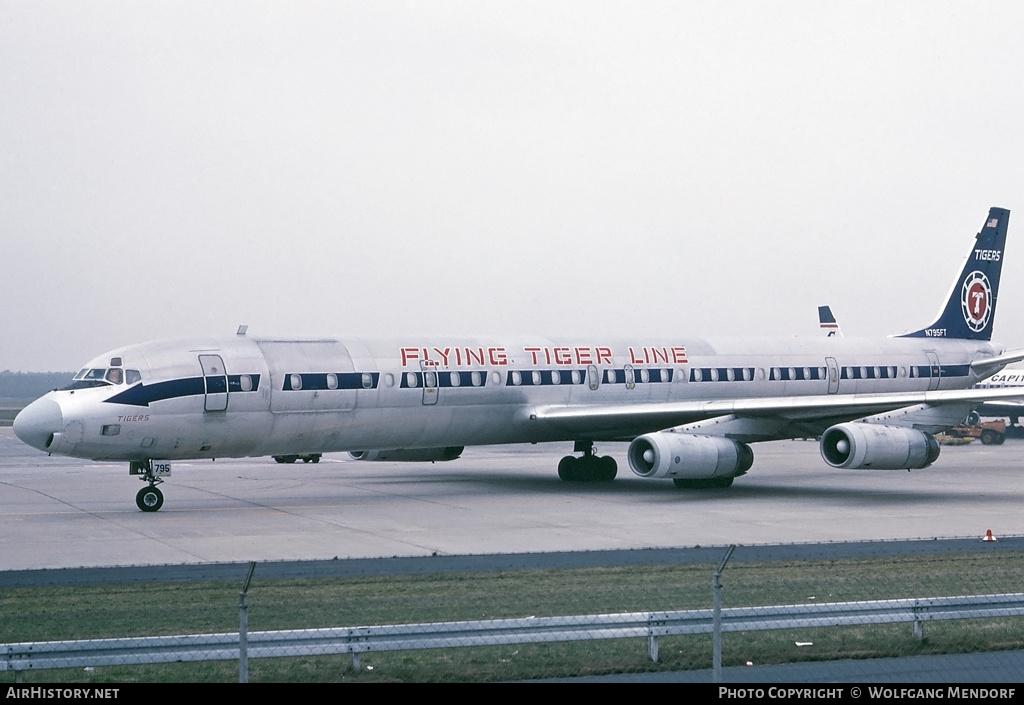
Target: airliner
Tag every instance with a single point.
(688, 407)
(1012, 408)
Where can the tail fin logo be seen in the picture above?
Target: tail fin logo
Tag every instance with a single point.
(976, 301)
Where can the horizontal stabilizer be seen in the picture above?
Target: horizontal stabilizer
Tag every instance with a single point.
(991, 365)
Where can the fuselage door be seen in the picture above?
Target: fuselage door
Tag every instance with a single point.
(935, 371)
(430, 381)
(216, 379)
(833, 375)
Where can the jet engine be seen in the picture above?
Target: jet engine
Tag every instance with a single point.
(684, 456)
(414, 455)
(878, 447)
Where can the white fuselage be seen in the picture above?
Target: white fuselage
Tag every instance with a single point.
(240, 396)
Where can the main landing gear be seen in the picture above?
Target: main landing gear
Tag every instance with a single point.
(587, 468)
(149, 498)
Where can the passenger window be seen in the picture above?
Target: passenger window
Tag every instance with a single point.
(332, 381)
(367, 380)
(244, 382)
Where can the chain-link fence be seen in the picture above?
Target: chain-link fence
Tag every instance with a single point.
(529, 624)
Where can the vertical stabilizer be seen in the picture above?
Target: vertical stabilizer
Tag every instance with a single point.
(828, 322)
(970, 307)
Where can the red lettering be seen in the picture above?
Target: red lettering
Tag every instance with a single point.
(533, 353)
(604, 355)
(562, 356)
(583, 356)
(661, 353)
(633, 358)
(409, 354)
(477, 355)
(679, 355)
(444, 354)
(498, 356)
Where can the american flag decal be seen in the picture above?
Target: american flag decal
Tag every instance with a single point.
(992, 223)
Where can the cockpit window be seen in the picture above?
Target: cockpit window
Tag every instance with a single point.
(102, 377)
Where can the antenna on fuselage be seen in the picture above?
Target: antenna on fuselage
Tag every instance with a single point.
(242, 330)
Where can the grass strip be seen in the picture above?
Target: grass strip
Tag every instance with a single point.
(45, 614)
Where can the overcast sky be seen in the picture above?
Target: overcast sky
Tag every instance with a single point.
(385, 168)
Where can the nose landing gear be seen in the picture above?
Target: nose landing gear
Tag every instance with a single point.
(149, 498)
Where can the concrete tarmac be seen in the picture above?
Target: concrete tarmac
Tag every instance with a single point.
(58, 512)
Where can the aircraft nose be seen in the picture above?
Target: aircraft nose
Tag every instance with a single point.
(38, 422)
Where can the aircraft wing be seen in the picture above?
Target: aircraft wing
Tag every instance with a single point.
(803, 415)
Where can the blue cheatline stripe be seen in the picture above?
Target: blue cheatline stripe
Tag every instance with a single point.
(444, 378)
(721, 374)
(545, 378)
(318, 381)
(143, 394)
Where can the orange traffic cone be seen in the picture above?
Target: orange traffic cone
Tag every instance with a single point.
(989, 536)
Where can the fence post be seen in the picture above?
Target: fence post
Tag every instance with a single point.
(243, 627)
(716, 641)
